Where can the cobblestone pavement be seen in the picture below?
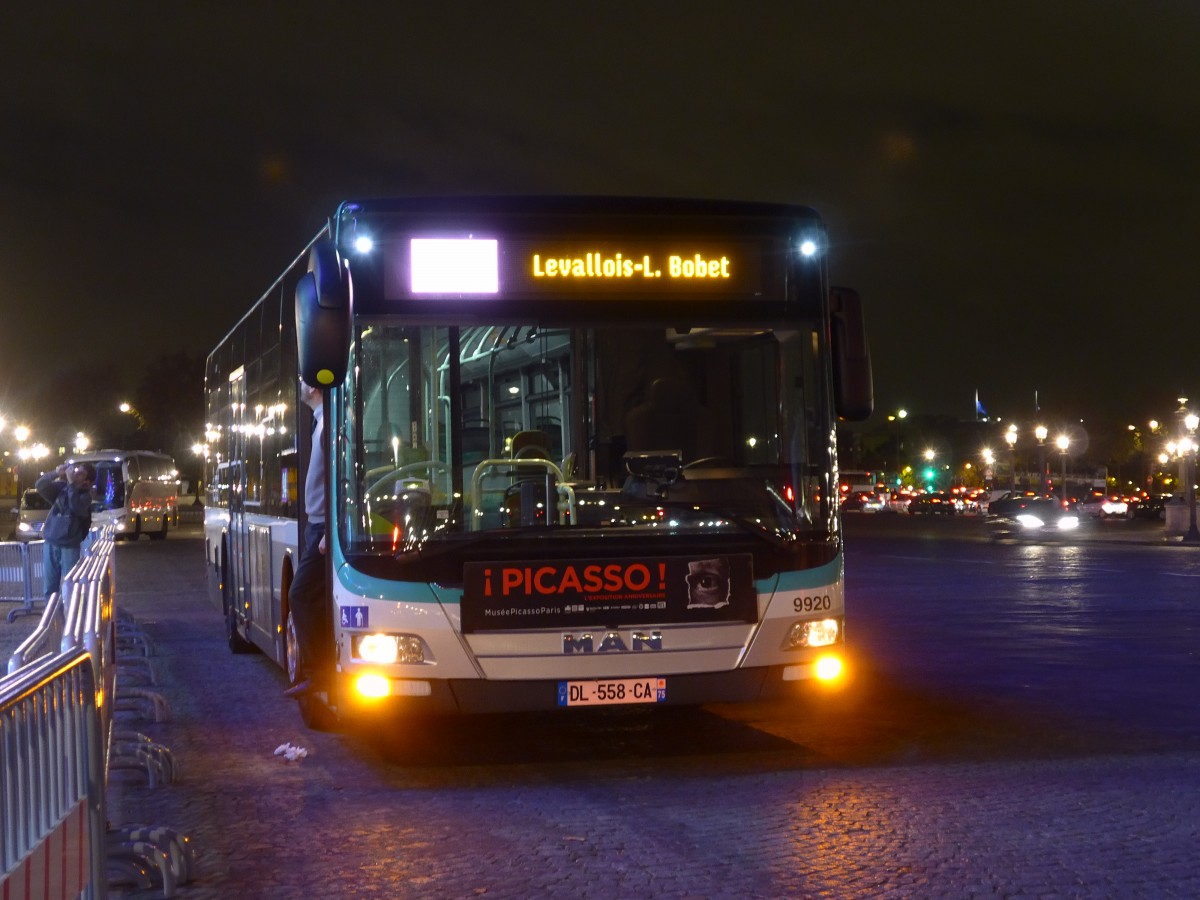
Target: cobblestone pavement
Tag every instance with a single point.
(703, 806)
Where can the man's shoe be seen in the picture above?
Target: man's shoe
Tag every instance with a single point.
(299, 689)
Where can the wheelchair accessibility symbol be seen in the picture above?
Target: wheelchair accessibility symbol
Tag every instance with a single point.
(354, 617)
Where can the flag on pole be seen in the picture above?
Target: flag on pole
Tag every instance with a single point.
(980, 412)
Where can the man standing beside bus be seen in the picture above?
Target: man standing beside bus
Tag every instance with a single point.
(68, 490)
(306, 596)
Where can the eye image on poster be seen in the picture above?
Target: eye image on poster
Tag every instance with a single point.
(708, 583)
(607, 592)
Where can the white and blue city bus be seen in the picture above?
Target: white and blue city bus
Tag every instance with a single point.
(582, 452)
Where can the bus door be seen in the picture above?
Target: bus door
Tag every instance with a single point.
(239, 583)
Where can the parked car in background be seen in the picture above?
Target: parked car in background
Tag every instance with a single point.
(1153, 507)
(29, 516)
(937, 503)
(864, 501)
(1088, 505)
(874, 503)
(1040, 517)
(1099, 505)
(975, 501)
(1012, 501)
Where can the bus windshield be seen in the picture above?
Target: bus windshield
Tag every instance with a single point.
(108, 491)
(465, 433)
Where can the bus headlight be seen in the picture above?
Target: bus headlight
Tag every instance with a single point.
(372, 686)
(828, 668)
(819, 633)
(389, 648)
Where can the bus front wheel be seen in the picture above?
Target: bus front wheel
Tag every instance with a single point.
(291, 649)
(237, 643)
(317, 713)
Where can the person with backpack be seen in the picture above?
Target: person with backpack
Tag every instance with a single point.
(68, 490)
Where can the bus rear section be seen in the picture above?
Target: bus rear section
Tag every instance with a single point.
(136, 491)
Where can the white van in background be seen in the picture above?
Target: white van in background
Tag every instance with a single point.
(135, 490)
(29, 515)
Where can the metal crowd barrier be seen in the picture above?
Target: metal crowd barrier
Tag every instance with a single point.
(21, 576)
(52, 819)
(57, 707)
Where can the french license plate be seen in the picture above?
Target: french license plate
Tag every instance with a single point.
(605, 693)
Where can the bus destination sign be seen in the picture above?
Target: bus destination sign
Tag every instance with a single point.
(682, 268)
(482, 267)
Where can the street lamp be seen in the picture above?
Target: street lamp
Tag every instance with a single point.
(1040, 433)
(1063, 442)
(130, 410)
(1188, 447)
(1010, 438)
(897, 417)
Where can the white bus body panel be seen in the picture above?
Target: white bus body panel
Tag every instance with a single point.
(542, 655)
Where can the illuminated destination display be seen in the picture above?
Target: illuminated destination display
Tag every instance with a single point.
(451, 266)
(601, 266)
(475, 266)
(668, 267)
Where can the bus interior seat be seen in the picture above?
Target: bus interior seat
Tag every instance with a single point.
(529, 444)
(670, 419)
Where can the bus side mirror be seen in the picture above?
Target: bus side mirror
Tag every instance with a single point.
(853, 391)
(323, 318)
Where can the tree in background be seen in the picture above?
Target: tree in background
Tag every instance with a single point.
(166, 399)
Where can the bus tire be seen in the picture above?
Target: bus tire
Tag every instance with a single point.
(317, 714)
(135, 531)
(291, 649)
(237, 644)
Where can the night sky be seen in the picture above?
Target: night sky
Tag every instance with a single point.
(1013, 188)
